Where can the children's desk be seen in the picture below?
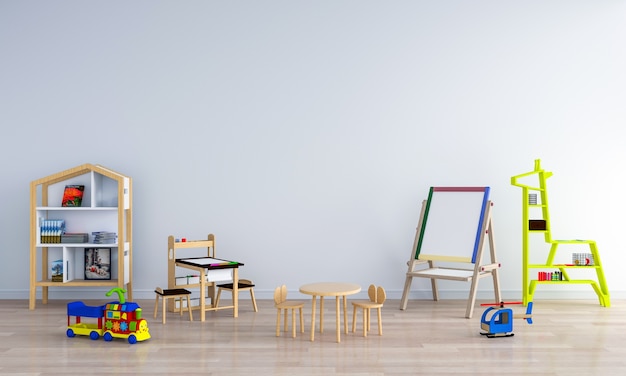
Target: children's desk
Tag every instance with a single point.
(204, 266)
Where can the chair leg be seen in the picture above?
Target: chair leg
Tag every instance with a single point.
(253, 301)
(301, 321)
(365, 321)
(217, 299)
(380, 322)
(156, 305)
(189, 308)
(354, 320)
(278, 322)
(286, 322)
(293, 322)
(180, 305)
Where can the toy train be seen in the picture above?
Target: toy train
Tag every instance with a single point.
(118, 319)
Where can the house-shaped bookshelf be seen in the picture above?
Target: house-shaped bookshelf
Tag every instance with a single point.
(69, 233)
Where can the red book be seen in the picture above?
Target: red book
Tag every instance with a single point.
(73, 195)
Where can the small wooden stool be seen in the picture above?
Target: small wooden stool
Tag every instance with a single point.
(244, 284)
(176, 294)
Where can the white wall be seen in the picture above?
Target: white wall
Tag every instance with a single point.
(305, 134)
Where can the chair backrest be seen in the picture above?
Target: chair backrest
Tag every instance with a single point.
(377, 294)
(280, 294)
(381, 296)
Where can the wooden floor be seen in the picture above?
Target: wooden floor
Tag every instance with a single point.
(429, 338)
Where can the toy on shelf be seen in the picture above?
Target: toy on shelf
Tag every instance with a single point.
(118, 319)
(500, 322)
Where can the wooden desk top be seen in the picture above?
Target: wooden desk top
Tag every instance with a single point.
(330, 288)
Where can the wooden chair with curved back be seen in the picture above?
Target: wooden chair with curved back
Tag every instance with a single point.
(377, 297)
(282, 304)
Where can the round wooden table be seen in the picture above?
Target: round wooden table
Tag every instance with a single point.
(336, 289)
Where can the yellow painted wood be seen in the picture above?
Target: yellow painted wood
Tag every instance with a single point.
(537, 185)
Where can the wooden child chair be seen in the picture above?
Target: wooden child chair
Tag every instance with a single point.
(176, 294)
(282, 304)
(244, 284)
(377, 297)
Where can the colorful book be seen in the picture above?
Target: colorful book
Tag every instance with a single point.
(73, 195)
(56, 267)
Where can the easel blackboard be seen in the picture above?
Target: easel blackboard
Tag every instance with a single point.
(452, 228)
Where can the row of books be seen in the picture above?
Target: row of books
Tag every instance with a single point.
(104, 237)
(51, 230)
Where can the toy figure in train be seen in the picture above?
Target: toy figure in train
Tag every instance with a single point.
(499, 323)
(117, 319)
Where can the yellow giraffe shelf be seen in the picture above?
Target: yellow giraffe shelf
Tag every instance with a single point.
(539, 202)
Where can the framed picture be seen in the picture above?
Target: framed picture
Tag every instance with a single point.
(97, 263)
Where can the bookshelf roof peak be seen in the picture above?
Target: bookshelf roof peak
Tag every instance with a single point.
(80, 170)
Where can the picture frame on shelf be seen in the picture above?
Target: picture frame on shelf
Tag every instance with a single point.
(97, 263)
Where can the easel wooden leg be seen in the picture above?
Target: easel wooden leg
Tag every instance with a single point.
(471, 299)
(433, 286)
(405, 294)
(433, 282)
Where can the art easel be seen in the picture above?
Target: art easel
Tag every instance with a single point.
(451, 230)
